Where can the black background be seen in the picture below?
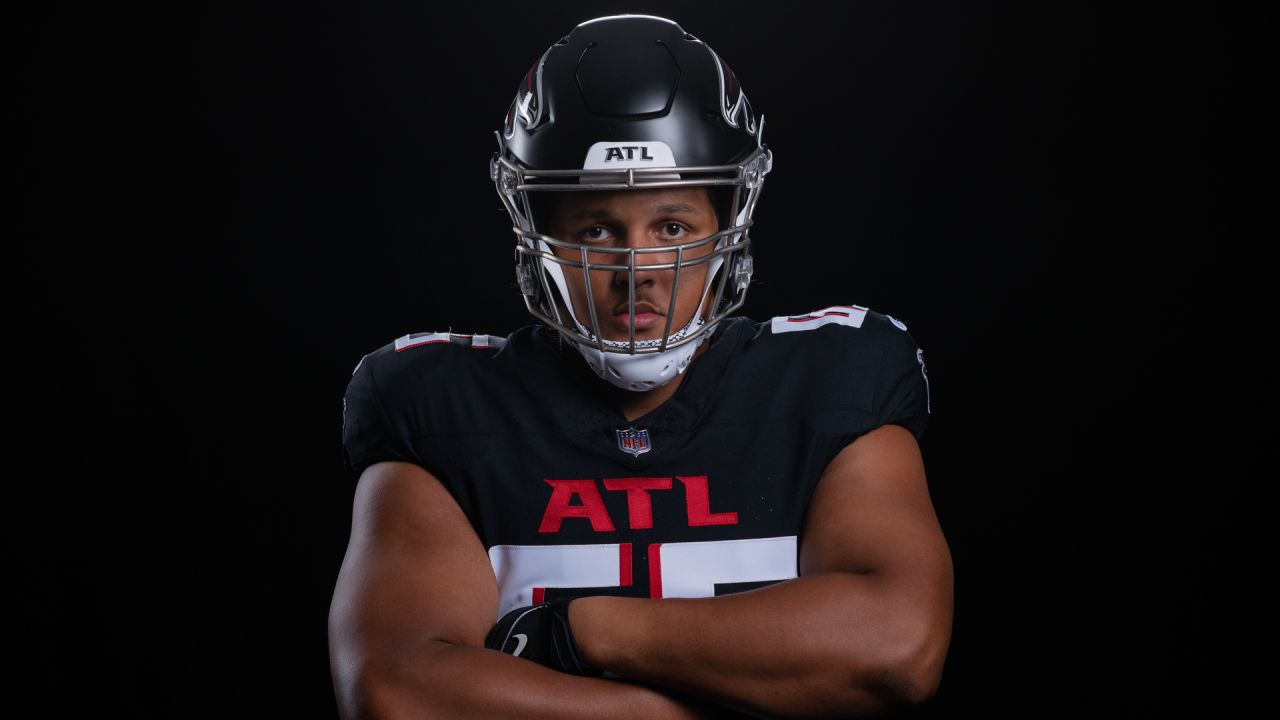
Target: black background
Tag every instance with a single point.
(224, 207)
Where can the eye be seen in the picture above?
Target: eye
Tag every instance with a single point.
(673, 230)
(595, 234)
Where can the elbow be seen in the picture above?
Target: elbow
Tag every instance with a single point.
(361, 685)
(914, 675)
(383, 686)
(371, 685)
(369, 692)
(363, 693)
(915, 684)
(904, 676)
(913, 660)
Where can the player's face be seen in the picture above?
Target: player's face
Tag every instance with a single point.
(636, 219)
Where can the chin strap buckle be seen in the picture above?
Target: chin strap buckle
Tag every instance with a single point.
(742, 273)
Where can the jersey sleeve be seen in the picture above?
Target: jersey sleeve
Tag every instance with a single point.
(902, 392)
(369, 434)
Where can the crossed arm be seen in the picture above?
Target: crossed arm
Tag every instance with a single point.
(866, 626)
(416, 596)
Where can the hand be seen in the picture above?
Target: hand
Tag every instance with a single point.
(541, 633)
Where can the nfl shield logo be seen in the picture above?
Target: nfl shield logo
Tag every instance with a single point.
(633, 440)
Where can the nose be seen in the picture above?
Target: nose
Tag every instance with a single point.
(638, 238)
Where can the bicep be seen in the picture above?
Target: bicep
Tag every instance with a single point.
(871, 514)
(415, 572)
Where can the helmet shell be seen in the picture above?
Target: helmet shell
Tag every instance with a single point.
(629, 78)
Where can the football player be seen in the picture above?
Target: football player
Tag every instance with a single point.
(641, 506)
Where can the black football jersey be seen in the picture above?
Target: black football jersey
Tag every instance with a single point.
(703, 496)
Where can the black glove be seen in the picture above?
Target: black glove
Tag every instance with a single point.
(541, 633)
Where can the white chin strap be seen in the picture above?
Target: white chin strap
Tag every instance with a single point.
(640, 371)
(643, 371)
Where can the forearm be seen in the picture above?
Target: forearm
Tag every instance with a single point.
(825, 644)
(452, 681)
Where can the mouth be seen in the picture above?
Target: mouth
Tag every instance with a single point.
(647, 317)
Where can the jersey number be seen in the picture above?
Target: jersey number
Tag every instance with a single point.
(851, 315)
(689, 569)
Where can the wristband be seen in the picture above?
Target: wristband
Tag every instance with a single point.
(541, 633)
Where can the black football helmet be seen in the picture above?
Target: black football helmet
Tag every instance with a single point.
(630, 102)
